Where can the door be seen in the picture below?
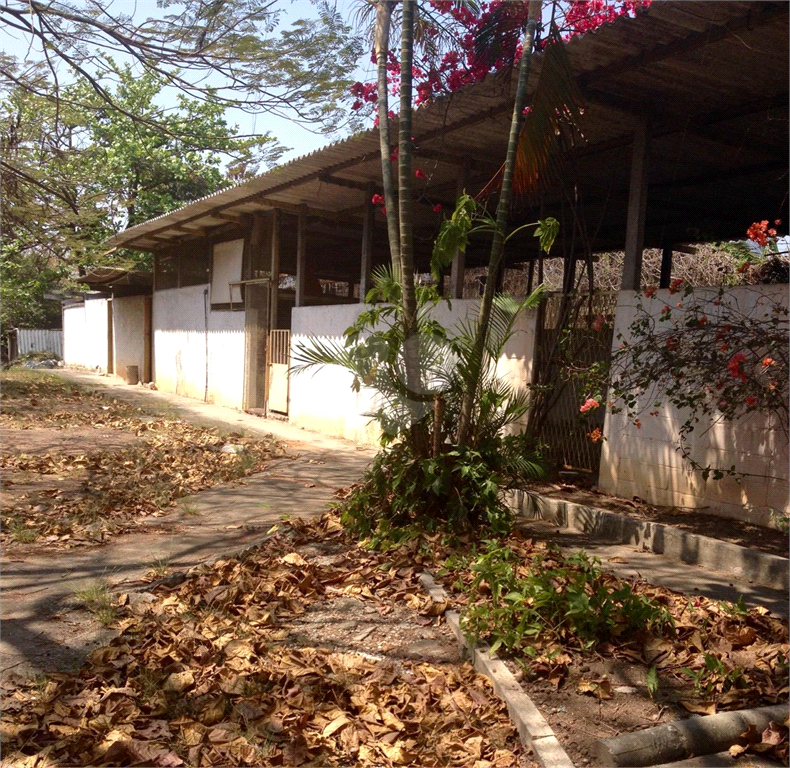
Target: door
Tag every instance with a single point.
(279, 362)
(110, 340)
(256, 336)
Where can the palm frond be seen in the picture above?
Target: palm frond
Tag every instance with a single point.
(555, 104)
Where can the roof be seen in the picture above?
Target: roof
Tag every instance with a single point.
(710, 76)
(109, 278)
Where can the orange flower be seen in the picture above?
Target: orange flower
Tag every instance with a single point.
(768, 362)
(595, 435)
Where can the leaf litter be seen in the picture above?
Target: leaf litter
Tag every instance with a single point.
(82, 497)
(215, 672)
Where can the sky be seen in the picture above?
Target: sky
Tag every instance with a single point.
(299, 139)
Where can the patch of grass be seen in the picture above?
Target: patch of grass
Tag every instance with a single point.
(98, 599)
(159, 566)
(20, 532)
(188, 508)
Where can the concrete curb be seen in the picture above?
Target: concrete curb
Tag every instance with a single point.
(532, 727)
(761, 568)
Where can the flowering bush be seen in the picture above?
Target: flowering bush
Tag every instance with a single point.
(445, 69)
(714, 355)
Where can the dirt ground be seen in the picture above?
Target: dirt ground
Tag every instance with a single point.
(743, 534)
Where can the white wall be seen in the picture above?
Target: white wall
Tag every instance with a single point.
(85, 334)
(181, 340)
(128, 316)
(644, 461)
(321, 399)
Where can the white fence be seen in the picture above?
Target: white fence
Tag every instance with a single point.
(35, 340)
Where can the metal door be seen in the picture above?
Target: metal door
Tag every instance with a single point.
(279, 362)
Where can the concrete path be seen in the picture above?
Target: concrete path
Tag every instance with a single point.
(43, 627)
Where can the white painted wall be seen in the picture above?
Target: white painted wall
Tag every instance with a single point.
(644, 462)
(183, 346)
(85, 334)
(321, 399)
(128, 316)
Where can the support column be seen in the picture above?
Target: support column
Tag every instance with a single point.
(459, 260)
(301, 244)
(366, 261)
(666, 267)
(275, 269)
(637, 207)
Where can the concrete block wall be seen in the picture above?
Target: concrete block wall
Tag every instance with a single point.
(321, 399)
(645, 462)
(128, 317)
(195, 356)
(85, 341)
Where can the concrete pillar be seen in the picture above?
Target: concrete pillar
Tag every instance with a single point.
(666, 267)
(301, 242)
(637, 208)
(366, 261)
(275, 269)
(459, 261)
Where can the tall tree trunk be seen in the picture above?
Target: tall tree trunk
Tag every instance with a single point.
(411, 351)
(382, 41)
(502, 213)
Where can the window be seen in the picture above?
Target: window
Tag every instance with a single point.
(166, 271)
(226, 268)
(195, 264)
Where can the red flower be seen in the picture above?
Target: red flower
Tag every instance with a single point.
(777, 222)
(650, 290)
(637, 424)
(420, 174)
(437, 208)
(595, 435)
(674, 286)
(735, 366)
(377, 199)
(758, 233)
(703, 320)
(598, 324)
(750, 399)
(589, 404)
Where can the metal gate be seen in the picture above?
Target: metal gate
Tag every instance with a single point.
(279, 362)
(570, 336)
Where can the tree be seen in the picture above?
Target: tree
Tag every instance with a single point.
(233, 49)
(81, 171)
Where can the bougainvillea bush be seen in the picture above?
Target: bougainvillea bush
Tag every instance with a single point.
(462, 43)
(714, 354)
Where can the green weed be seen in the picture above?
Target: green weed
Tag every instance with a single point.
(568, 600)
(20, 532)
(98, 599)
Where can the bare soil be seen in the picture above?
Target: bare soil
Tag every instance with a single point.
(743, 534)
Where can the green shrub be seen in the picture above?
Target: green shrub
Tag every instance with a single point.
(523, 606)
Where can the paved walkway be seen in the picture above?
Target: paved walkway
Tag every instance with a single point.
(42, 629)
(42, 626)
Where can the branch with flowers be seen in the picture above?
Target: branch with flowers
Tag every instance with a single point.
(715, 355)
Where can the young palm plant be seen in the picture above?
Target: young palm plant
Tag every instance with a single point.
(458, 487)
